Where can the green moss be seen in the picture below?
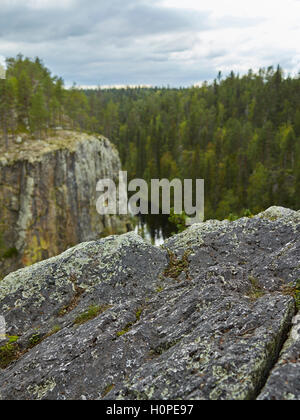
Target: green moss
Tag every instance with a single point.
(256, 291)
(13, 338)
(128, 327)
(11, 351)
(297, 296)
(293, 290)
(91, 313)
(35, 339)
(108, 389)
(55, 330)
(38, 338)
(139, 314)
(160, 289)
(8, 354)
(177, 266)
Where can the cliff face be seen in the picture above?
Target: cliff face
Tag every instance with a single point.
(48, 196)
(208, 316)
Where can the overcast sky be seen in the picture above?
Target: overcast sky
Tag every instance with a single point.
(151, 42)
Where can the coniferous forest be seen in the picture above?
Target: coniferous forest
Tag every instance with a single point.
(239, 133)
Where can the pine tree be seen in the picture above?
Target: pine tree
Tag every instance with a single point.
(38, 113)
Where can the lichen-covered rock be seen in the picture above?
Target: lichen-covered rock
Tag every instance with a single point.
(204, 317)
(284, 380)
(48, 197)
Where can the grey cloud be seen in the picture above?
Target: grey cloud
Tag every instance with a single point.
(109, 18)
(111, 41)
(115, 41)
(216, 54)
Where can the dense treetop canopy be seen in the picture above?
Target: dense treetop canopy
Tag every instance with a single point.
(240, 133)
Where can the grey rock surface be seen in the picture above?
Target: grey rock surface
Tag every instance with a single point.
(284, 380)
(207, 316)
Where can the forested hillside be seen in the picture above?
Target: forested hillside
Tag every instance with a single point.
(241, 134)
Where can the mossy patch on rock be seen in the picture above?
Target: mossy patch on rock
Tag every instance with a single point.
(293, 289)
(128, 326)
(256, 290)
(9, 352)
(91, 313)
(107, 390)
(177, 265)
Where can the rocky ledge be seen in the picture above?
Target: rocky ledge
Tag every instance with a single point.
(211, 315)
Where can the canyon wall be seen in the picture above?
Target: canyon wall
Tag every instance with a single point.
(48, 196)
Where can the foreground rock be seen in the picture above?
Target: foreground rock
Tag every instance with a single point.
(206, 317)
(284, 381)
(48, 196)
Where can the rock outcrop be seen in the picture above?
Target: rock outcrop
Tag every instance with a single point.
(48, 196)
(210, 316)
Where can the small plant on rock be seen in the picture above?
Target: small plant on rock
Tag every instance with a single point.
(91, 313)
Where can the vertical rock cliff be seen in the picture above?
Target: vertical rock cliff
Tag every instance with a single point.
(48, 196)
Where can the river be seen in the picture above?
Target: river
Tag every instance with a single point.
(155, 229)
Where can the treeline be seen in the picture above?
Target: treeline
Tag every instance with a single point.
(33, 101)
(241, 134)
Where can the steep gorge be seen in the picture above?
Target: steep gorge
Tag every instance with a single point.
(48, 196)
